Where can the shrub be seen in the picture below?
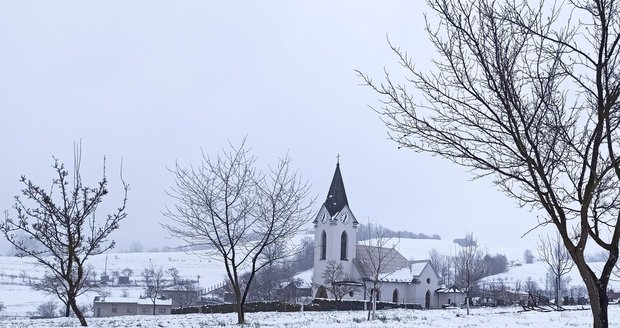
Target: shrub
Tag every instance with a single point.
(47, 309)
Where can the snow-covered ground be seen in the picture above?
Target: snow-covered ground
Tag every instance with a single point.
(487, 318)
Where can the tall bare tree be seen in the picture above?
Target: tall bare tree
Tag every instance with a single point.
(526, 92)
(551, 250)
(240, 212)
(62, 220)
(470, 267)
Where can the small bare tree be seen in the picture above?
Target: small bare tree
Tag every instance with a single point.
(239, 212)
(530, 286)
(62, 220)
(340, 282)
(470, 267)
(552, 251)
(48, 309)
(379, 253)
(155, 283)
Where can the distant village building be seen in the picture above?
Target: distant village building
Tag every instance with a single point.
(449, 296)
(123, 280)
(335, 234)
(181, 298)
(117, 306)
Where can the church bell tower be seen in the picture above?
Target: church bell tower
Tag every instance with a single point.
(335, 233)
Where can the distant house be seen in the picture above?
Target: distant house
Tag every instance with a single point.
(117, 306)
(612, 295)
(123, 280)
(449, 296)
(293, 292)
(181, 298)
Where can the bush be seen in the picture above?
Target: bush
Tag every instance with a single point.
(47, 309)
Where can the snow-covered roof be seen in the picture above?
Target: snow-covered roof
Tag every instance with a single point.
(448, 290)
(391, 259)
(412, 270)
(132, 300)
(306, 277)
(417, 267)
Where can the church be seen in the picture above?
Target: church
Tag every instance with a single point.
(335, 235)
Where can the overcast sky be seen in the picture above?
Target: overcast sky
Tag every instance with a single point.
(154, 82)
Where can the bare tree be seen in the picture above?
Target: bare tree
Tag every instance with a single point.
(526, 92)
(528, 257)
(174, 273)
(530, 286)
(155, 283)
(340, 282)
(50, 284)
(552, 251)
(238, 211)
(127, 272)
(379, 253)
(470, 267)
(443, 265)
(62, 220)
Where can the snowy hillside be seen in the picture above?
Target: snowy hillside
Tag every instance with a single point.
(538, 270)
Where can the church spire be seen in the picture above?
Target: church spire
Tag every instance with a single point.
(336, 197)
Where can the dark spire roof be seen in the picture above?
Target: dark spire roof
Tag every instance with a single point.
(337, 197)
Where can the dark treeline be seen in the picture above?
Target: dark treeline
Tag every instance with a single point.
(364, 233)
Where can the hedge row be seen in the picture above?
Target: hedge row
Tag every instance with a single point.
(316, 305)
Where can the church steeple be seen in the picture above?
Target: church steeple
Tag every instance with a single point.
(336, 197)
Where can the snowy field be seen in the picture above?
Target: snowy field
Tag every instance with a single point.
(21, 300)
(488, 318)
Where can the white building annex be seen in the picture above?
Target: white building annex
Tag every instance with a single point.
(335, 235)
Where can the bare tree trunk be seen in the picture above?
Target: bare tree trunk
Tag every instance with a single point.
(374, 301)
(239, 300)
(67, 310)
(597, 291)
(467, 302)
(77, 311)
(558, 284)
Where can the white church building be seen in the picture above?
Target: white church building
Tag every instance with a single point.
(335, 235)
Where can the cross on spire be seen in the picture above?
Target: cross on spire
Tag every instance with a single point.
(338, 159)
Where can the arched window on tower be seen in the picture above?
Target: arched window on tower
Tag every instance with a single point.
(343, 245)
(323, 245)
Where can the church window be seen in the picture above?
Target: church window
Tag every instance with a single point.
(323, 245)
(343, 245)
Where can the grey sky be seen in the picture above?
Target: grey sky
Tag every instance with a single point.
(156, 81)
